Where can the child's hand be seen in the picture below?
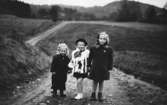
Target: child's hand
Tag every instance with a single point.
(110, 70)
(77, 54)
(69, 71)
(89, 69)
(53, 73)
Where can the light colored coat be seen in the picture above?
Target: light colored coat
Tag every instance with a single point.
(79, 64)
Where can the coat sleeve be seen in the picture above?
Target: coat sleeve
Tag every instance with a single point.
(90, 57)
(68, 68)
(53, 64)
(110, 66)
(71, 63)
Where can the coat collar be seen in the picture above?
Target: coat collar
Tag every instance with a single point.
(98, 46)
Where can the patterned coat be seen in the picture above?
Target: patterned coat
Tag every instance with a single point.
(78, 62)
(100, 62)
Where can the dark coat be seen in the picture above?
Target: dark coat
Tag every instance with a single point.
(100, 62)
(60, 67)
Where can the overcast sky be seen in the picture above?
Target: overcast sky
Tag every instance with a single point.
(89, 3)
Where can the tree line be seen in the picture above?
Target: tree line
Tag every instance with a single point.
(15, 7)
(128, 11)
(60, 13)
(135, 11)
(54, 12)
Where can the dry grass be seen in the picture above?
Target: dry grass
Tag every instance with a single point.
(25, 28)
(145, 66)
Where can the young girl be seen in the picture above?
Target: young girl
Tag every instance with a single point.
(59, 69)
(100, 63)
(79, 65)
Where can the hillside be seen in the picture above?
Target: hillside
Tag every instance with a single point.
(19, 62)
(114, 7)
(114, 11)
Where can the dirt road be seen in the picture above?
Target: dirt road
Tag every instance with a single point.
(116, 90)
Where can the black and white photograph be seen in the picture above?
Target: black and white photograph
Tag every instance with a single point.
(83, 52)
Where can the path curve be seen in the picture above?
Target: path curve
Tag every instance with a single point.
(43, 35)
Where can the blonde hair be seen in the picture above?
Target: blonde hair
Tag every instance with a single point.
(106, 36)
(62, 46)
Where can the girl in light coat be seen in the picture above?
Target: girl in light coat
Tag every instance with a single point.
(78, 64)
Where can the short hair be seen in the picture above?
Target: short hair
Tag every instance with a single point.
(106, 36)
(81, 40)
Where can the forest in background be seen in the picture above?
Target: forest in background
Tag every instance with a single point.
(124, 10)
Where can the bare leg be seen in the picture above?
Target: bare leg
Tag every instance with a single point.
(100, 90)
(94, 88)
(79, 88)
(94, 85)
(101, 86)
(80, 85)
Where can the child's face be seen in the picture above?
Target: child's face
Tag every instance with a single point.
(62, 51)
(81, 46)
(102, 39)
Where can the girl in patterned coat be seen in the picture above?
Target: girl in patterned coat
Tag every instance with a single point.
(79, 65)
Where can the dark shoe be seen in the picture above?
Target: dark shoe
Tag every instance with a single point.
(100, 98)
(93, 97)
(62, 94)
(54, 94)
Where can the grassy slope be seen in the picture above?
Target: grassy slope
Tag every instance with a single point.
(19, 62)
(138, 52)
(25, 28)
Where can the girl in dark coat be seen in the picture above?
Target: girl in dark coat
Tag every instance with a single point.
(100, 63)
(59, 69)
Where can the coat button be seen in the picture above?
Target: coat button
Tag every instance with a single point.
(104, 51)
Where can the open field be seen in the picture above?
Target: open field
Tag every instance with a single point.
(142, 53)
